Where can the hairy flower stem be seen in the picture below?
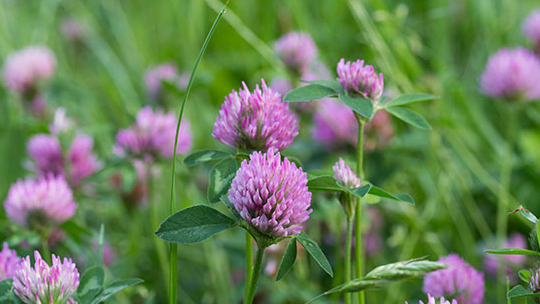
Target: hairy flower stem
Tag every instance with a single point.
(254, 276)
(172, 205)
(358, 251)
(249, 263)
(348, 248)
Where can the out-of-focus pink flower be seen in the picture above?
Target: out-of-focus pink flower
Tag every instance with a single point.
(24, 68)
(334, 123)
(72, 29)
(109, 254)
(61, 123)
(359, 79)
(155, 76)
(512, 74)
(492, 262)
(271, 194)
(297, 50)
(82, 159)
(47, 153)
(379, 131)
(458, 279)
(531, 27)
(9, 261)
(257, 121)
(46, 284)
(281, 85)
(373, 242)
(153, 135)
(48, 196)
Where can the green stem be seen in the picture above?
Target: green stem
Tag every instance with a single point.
(173, 249)
(506, 171)
(254, 276)
(348, 248)
(46, 254)
(249, 263)
(358, 252)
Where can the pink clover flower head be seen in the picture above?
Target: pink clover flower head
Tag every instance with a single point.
(255, 121)
(24, 68)
(512, 74)
(531, 26)
(46, 198)
(44, 284)
(344, 174)
(153, 135)
(82, 159)
(271, 194)
(9, 261)
(458, 279)
(297, 49)
(359, 79)
(433, 300)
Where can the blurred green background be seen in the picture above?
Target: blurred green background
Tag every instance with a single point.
(435, 46)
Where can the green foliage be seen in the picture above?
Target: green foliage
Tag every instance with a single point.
(410, 98)
(410, 117)
(221, 177)
(520, 291)
(204, 156)
(287, 261)
(7, 296)
(315, 251)
(194, 224)
(309, 93)
(360, 105)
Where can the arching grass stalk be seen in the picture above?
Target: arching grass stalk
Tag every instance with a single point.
(358, 212)
(173, 247)
(506, 172)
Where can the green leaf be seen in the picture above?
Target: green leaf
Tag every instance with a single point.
(287, 261)
(401, 197)
(231, 207)
(91, 284)
(409, 117)
(115, 287)
(525, 276)
(360, 105)
(512, 251)
(323, 183)
(221, 177)
(332, 84)
(360, 191)
(7, 296)
(308, 93)
(411, 98)
(204, 156)
(538, 233)
(316, 253)
(193, 225)
(520, 291)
